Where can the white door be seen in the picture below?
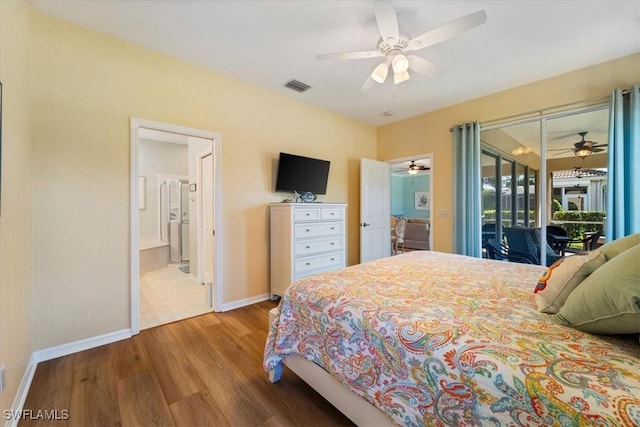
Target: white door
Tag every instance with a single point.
(206, 179)
(375, 210)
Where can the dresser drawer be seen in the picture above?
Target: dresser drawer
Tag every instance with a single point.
(317, 229)
(332, 214)
(306, 214)
(308, 247)
(318, 262)
(308, 273)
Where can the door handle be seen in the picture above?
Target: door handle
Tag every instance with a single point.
(364, 224)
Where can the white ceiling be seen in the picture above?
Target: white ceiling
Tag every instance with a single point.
(268, 42)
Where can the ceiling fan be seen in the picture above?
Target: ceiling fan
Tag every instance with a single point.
(396, 47)
(414, 168)
(582, 148)
(580, 172)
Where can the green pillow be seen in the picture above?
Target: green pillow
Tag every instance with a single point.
(616, 247)
(608, 301)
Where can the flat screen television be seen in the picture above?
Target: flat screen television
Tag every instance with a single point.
(302, 174)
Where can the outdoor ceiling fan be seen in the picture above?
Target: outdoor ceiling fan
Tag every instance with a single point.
(582, 148)
(582, 172)
(396, 47)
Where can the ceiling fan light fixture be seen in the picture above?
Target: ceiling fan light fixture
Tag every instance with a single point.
(379, 74)
(583, 152)
(413, 171)
(400, 63)
(400, 77)
(520, 151)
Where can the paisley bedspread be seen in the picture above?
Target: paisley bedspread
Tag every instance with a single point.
(441, 339)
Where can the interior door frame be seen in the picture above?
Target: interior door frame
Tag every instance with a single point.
(200, 233)
(431, 176)
(216, 138)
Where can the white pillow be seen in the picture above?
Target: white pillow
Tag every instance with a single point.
(564, 276)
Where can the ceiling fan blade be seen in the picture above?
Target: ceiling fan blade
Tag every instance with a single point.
(562, 152)
(599, 145)
(597, 150)
(559, 149)
(556, 136)
(387, 20)
(422, 66)
(368, 84)
(350, 55)
(446, 31)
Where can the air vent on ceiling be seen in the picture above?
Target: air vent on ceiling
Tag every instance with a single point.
(297, 86)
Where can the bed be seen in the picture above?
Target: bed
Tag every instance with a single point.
(428, 338)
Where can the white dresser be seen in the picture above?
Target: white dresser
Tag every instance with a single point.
(306, 239)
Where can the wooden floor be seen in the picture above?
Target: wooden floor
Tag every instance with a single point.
(206, 370)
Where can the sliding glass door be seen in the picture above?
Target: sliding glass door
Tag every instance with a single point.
(535, 169)
(577, 164)
(510, 164)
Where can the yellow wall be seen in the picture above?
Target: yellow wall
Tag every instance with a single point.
(85, 87)
(429, 133)
(16, 303)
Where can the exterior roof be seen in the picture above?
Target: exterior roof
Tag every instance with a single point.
(578, 173)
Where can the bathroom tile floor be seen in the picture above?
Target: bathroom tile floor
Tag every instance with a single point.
(168, 294)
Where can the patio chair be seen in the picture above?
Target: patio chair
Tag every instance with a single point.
(523, 240)
(590, 243)
(558, 238)
(498, 251)
(488, 233)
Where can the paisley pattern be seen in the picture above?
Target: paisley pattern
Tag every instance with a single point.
(439, 339)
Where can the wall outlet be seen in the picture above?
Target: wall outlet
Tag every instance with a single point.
(3, 377)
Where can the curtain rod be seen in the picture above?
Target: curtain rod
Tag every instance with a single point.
(535, 113)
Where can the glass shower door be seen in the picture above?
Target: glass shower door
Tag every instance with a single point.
(174, 206)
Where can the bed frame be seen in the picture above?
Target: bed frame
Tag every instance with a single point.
(354, 407)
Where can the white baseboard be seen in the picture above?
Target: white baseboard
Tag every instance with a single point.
(81, 345)
(23, 390)
(245, 302)
(52, 353)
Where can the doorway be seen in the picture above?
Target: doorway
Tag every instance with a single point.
(176, 269)
(412, 198)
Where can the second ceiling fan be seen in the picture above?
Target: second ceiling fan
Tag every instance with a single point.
(583, 148)
(396, 48)
(413, 168)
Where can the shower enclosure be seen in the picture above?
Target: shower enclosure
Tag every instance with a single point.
(174, 219)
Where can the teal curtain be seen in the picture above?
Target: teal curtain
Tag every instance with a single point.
(467, 189)
(623, 173)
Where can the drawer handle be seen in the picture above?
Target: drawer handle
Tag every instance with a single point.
(307, 263)
(307, 247)
(333, 259)
(307, 214)
(332, 214)
(333, 228)
(332, 243)
(307, 230)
